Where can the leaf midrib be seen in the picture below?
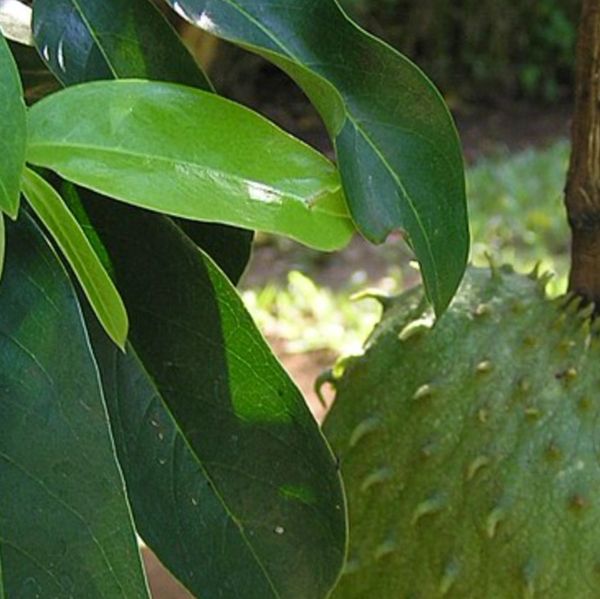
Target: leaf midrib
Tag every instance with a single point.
(305, 202)
(407, 196)
(99, 46)
(214, 487)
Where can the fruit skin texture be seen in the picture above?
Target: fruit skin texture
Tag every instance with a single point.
(470, 450)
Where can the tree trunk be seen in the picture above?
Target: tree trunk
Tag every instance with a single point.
(583, 182)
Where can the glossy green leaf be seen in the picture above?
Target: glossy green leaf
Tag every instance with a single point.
(191, 154)
(397, 147)
(95, 282)
(13, 132)
(131, 39)
(228, 473)
(66, 525)
(83, 40)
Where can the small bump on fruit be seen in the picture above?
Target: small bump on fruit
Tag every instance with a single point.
(386, 548)
(495, 517)
(484, 366)
(524, 385)
(378, 295)
(518, 307)
(428, 449)
(528, 580)
(560, 321)
(567, 375)
(566, 345)
(578, 503)
(574, 306)
(584, 404)
(587, 312)
(483, 415)
(533, 413)
(451, 572)
(476, 465)
(553, 452)
(415, 328)
(534, 274)
(482, 310)
(433, 505)
(352, 565)
(376, 478)
(544, 279)
(366, 427)
(423, 392)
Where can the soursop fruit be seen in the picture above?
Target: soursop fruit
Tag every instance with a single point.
(471, 449)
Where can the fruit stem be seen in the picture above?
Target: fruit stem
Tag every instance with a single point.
(583, 181)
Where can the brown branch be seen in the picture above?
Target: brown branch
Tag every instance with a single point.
(583, 182)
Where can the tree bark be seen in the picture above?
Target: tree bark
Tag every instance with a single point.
(583, 182)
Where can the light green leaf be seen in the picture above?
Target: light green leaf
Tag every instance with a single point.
(192, 154)
(398, 151)
(64, 228)
(66, 527)
(13, 132)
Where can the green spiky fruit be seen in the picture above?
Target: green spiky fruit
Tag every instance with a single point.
(470, 450)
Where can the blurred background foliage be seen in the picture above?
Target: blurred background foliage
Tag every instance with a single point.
(473, 49)
(478, 49)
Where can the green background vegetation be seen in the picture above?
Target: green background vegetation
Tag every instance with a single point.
(482, 48)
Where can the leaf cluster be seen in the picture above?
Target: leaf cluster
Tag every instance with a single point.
(137, 397)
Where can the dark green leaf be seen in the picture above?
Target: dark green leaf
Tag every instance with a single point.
(397, 146)
(13, 132)
(66, 526)
(86, 41)
(95, 282)
(191, 154)
(228, 473)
